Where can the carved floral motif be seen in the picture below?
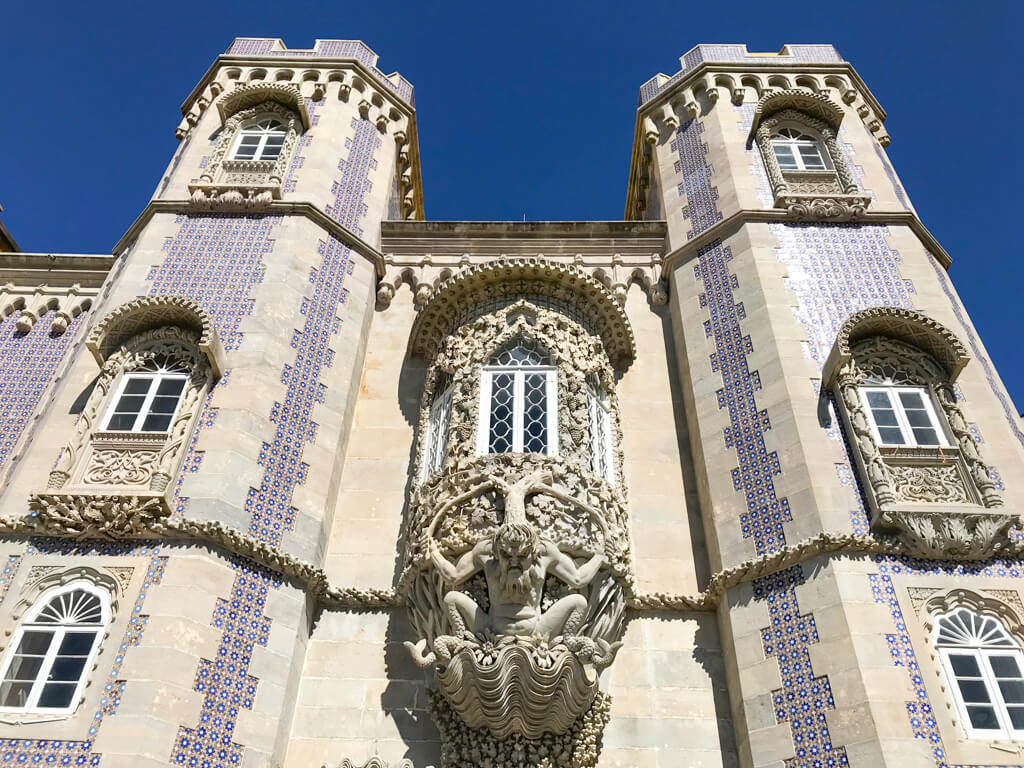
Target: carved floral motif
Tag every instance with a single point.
(121, 467)
(929, 484)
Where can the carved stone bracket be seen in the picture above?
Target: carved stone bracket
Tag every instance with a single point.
(373, 762)
(941, 533)
(89, 516)
(217, 197)
(34, 301)
(834, 208)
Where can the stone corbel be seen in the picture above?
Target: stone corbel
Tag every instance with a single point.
(669, 118)
(651, 132)
(690, 103)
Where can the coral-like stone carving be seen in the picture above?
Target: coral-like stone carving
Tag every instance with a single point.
(88, 516)
(465, 747)
(373, 762)
(941, 534)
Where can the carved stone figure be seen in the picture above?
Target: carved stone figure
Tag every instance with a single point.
(515, 562)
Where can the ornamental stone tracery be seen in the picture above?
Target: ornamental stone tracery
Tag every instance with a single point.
(942, 500)
(517, 566)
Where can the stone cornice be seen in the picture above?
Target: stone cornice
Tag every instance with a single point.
(276, 207)
(235, 543)
(55, 269)
(727, 226)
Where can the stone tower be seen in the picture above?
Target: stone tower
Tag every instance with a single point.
(295, 477)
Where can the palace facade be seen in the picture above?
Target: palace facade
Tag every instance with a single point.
(295, 476)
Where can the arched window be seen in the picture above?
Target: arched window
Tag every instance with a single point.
(985, 669)
(601, 456)
(53, 649)
(798, 151)
(437, 427)
(147, 399)
(518, 402)
(260, 139)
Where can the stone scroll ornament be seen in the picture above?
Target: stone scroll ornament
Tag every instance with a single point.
(518, 620)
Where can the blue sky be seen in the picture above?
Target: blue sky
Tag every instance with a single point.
(525, 109)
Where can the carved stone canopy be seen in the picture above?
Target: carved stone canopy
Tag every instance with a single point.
(251, 94)
(480, 289)
(144, 314)
(906, 325)
(816, 105)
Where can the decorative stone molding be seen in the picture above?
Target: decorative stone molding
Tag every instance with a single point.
(89, 516)
(907, 325)
(831, 195)
(34, 301)
(947, 601)
(814, 105)
(462, 745)
(373, 762)
(243, 185)
(459, 297)
(424, 276)
(145, 314)
(941, 499)
(255, 94)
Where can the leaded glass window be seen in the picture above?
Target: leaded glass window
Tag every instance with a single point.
(51, 652)
(985, 669)
(601, 455)
(518, 402)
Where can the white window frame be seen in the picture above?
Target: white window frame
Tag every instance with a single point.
(59, 632)
(795, 144)
(156, 378)
(981, 654)
(600, 413)
(519, 374)
(251, 129)
(909, 441)
(436, 443)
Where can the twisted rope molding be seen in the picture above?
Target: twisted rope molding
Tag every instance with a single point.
(315, 580)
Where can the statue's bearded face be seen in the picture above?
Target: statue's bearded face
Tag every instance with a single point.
(516, 548)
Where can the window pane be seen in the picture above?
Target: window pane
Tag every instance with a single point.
(130, 403)
(983, 718)
(974, 691)
(500, 438)
(137, 385)
(14, 694)
(171, 387)
(1012, 690)
(911, 400)
(121, 423)
(811, 156)
(57, 695)
(1016, 717)
(964, 666)
(24, 668)
(535, 416)
(784, 154)
(879, 400)
(926, 436)
(1004, 666)
(884, 417)
(76, 644)
(270, 153)
(157, 422)
(164, 404)
(890, 435)
(918, 417)
(34, 642)
(67, 669)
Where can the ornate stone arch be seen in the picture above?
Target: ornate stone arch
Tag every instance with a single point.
(827, 194)
(229, 184)
(947, 601)
(104, 478)
(942, 500)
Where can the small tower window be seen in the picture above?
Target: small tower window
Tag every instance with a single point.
(437, 428)
(260, 140)
(53, 648)
(147, 401)
(903, 416)
(797, 151)
(601, 457)
(518, 402)
(985, 669)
